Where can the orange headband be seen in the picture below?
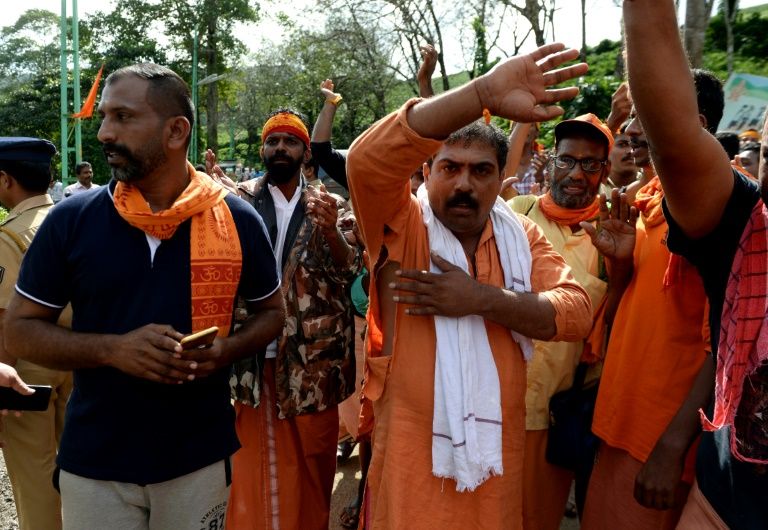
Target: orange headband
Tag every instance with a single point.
(287, 123)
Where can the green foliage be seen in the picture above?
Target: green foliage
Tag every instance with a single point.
(354, 56)
(749, 31)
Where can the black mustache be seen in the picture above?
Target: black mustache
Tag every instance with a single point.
(116, 148)
(568, 181)
(462, 199)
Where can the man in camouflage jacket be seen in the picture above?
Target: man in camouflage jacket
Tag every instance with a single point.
(287, 398)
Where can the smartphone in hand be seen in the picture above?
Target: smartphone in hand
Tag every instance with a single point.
(201, 339)
(12, 400)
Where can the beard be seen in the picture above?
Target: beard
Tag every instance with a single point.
(280, 173)
(136, 165)
(575, 202)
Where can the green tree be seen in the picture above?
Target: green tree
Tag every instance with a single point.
(29, 76)
(219, 48)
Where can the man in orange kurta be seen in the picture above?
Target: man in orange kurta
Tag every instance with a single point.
(656, 351)
(462, 183)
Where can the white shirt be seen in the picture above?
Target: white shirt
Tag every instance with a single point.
(56, 192)
(74, 189)
(283, 212)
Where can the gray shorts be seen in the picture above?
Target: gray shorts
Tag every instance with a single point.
(196, 501)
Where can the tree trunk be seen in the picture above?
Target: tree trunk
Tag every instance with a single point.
(583, 55)
(697, 13)
(440, 56)
(532, 12)
(212, 99)
(730, 8)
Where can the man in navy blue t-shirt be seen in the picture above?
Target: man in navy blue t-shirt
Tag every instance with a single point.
(160, 252)
(710, 209)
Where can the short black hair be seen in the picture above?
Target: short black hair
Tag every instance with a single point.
(730, 142)
(751, 146)
(168, 93)
(32, 176)
(623, 128)
(710, 97)
(82, 165)
(482, 133)
(314, 164)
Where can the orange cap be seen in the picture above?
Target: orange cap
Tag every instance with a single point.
(572, 126)
(750, 134)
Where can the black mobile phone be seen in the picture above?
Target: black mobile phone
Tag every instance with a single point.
(12, 400)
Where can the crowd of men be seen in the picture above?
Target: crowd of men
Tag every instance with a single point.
(491, 323)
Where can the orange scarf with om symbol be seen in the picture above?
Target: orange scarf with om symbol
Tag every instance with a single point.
(214, 247)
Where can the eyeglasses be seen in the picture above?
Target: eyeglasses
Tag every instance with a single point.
(590, 165)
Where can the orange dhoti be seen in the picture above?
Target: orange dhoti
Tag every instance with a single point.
(611, 502)
(698, 514)
(349, 409)
(545, 486)
(282, 477)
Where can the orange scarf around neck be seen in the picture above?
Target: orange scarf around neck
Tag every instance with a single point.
(214, 248)
(567, 216)
(648, 201)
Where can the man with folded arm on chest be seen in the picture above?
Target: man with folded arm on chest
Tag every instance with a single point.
(460, 286)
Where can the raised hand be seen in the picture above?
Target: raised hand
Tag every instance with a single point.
(216, 173)
(426, 70)
(621, 107)
(326, 88)
(506, 185)
(615, 236)
(517, 88)
(539, 164)
(323, 209)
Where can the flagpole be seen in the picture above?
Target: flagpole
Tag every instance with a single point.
(63, 101)
(76, 83)
(193, 154)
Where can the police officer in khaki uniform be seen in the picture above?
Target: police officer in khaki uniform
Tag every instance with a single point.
(31, 439)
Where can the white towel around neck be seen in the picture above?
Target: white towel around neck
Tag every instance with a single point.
(466, 424)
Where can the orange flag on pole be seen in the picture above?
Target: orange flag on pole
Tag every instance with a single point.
(86, 111)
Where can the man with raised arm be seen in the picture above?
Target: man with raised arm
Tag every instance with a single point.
(717, 219)
(159, 252)
(657, 346)
(459, 288)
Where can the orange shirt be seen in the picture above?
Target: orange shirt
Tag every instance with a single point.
(402, 491)
(657, 347)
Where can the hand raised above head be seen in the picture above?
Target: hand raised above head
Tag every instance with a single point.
(621, 107)
(518, 87)
(428, 61)
(326, 88)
